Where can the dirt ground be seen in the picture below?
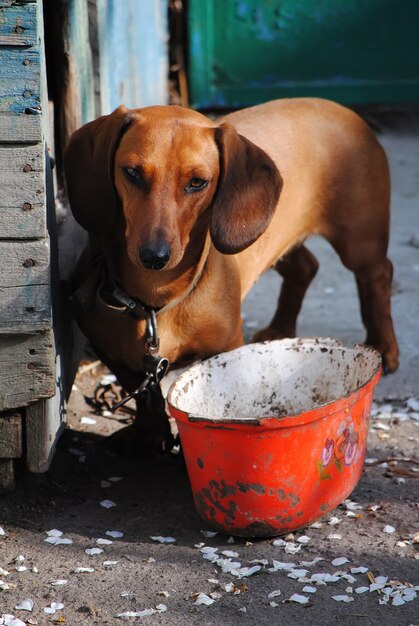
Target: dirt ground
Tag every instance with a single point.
(152, 498)
(377, 530)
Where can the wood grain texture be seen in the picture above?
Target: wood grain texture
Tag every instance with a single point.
(24, 263)
(22, 191)
(27, 369)
(7, 476)
(18, 25)
(43, 427)
(20, 128)
(10, 436)
(21, 223)
(25, 309)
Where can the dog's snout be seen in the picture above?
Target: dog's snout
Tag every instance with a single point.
(154, 257)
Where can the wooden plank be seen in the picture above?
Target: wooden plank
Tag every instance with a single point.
(20, 128)
(22, 191)
(43, 427)
(27, 369)
(10, 436)
(45, 419)
(7, 476)
(133, 53)
(25, 309)
(8, 3)
(24, 263)
(19, 79)
(18, 25)
(22, 159)
(26, 221)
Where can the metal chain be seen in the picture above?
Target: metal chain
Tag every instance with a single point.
(154, 366)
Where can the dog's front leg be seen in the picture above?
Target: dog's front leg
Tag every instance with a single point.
(150, 433)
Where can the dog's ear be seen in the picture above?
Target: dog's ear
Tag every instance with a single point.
(247, 193)
(88, 167)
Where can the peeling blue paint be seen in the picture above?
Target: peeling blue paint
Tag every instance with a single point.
(133, 39)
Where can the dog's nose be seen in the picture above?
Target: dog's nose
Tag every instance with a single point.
(154, 258)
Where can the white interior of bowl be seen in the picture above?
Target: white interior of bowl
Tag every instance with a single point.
(273, 379)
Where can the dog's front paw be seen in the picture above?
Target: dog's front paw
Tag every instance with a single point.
(150, 434)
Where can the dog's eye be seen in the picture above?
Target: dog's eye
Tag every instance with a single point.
(132, 173)
(196, 184)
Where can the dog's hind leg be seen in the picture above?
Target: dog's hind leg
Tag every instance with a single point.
(297, 268)
(373, 273)
(374, 294)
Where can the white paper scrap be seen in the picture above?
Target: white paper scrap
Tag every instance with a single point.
(297, 573)
(161, 539)
(25, 605)
(54, 533)
(413, 404)
(246, 571)
(143, 613)
(204, 599)
(389, 529)
(279, 542)
(281, 565)
(54, 606)
(292, 548)
(359, 570)
(87, 420)
(316, 525)
(11, 620)
(115, 534)
(58, 541)
(304, 539)
(93, 551)
(311, 563)
(230, 553)
(343, 598)
(296, 597)
(376, 586)
(83, 570)
(340, 561)
(107, 504)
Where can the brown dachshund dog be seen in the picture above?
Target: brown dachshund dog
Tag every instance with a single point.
(189, 212)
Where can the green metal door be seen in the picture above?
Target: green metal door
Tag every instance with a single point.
(353, 51)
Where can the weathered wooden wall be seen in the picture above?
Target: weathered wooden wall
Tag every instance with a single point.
(27, 343)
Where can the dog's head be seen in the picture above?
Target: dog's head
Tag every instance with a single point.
(170, 174)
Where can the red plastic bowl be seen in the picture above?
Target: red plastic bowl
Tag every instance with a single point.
(274, 434)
